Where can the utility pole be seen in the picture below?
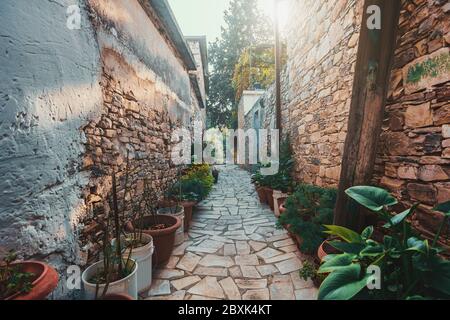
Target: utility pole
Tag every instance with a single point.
(277, 69)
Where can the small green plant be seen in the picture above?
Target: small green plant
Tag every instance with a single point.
(307, 210)
(191, 190)
(411, 268)
(429, 68)
(200, 174)
(12, 279)
(282, 180)
(310, 271)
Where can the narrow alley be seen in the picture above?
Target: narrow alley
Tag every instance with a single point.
(234, 251)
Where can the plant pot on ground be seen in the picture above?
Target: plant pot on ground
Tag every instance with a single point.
(282, 206)
(326, 249)
(278, 198)
(188, 211)
(307, 210)
(99, 282)
(269, 195)
(162, 228)
(139, 247)
(28, 280)
(114, 273)
(261, 194)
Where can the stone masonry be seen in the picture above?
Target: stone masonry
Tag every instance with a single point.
(316, 86)
(414, 150)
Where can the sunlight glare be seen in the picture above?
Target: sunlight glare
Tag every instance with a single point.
(283, 11)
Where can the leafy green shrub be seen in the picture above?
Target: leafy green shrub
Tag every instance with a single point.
(12, 279)
(201, 173)
(306, 211)
(188, 190)
(282, 180)
(410, 268)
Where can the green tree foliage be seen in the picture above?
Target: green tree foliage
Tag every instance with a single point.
(256, 65)
(245, 26)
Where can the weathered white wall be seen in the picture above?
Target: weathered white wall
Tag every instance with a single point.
(246, 103)
(48, 88)
(131, 27)
(194, 45)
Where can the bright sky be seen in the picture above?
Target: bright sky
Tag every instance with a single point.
(205, 17)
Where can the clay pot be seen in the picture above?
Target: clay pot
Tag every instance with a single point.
(269, 197)
(163, 239)
(188, 209)
(45, 281)
(176, 211)
(261, 194)
(279, 204)
(282, 209)
(326, 249)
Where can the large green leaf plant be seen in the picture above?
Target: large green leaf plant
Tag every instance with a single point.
(409, 267)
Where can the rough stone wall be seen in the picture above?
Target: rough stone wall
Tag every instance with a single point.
(72, 103)
(194, 45)
(141, 107)
(134, 123)
(414, 151)
(317, 83)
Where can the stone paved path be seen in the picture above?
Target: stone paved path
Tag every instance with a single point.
(233, 251)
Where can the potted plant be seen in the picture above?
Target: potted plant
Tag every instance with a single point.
(161, 228)
(326, 248)
(282, 208)
(27, 280)
(311, 271)
(307, 209)
(282, 181)
(187, 192)
(136, 245)
(409, 267)
(114, 274)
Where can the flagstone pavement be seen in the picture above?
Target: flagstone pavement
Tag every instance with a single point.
(233, 251)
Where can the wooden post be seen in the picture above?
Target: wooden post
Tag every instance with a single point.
(370, 85)
(277, 69)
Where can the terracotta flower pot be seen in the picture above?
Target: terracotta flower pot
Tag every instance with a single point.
(269, 197)
(188, 208)
(163, 239)
(279, 198)
(261, 194)
(282, 207)
(326, 249)
(45, 281)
